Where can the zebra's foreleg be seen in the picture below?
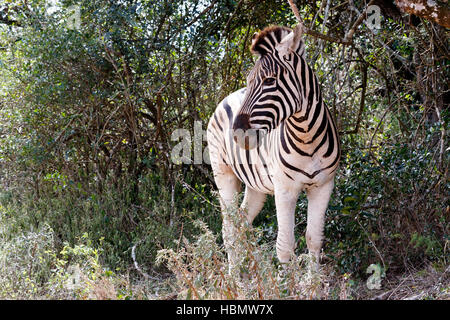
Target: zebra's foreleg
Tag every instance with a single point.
(285, 201)
(318, 198)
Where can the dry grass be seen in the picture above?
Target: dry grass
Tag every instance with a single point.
(430, 283)
(201, 271)
(31, 268)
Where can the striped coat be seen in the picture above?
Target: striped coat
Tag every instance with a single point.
(277, 137)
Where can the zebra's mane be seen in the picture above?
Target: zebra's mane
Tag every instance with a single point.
(264, 40)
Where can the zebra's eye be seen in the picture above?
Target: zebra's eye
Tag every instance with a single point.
(269, 81)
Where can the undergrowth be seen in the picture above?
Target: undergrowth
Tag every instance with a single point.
(201, 269)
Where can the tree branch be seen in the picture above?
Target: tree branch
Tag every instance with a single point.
(348, 39)
(428, 9)
(361, 102)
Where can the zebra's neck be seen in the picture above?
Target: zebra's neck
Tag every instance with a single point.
(303, 129)
(305, 126)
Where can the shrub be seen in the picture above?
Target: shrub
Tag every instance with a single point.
(201, 269)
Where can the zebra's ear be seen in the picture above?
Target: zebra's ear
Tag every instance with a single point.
(297, 40)
(293, 41)
(254, 38)
(269, 40)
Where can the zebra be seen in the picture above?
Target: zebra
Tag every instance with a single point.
(296, 147)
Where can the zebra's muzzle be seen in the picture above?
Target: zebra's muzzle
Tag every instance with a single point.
(243, 135)
(242, 122)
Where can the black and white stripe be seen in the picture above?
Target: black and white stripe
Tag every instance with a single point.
(283, 99)
(297, 144)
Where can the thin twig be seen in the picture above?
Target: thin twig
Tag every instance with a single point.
(361, 103)
(186, 185)
(379, 124)
(372, 243)
(227, 26)
(133, 256)
(349, 36)
(296, 13)
(441, 144)
(201, 14)
(348, 39)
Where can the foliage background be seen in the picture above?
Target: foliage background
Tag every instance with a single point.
(86, 117)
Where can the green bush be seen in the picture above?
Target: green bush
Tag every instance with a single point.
(388, 209)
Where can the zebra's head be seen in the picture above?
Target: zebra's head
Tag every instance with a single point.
(273, 91)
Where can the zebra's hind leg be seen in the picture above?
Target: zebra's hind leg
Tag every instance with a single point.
(318, 198)
(229, 186)
(253, 203)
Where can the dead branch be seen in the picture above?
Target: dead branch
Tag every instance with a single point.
(428, 9)
(348, 39)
